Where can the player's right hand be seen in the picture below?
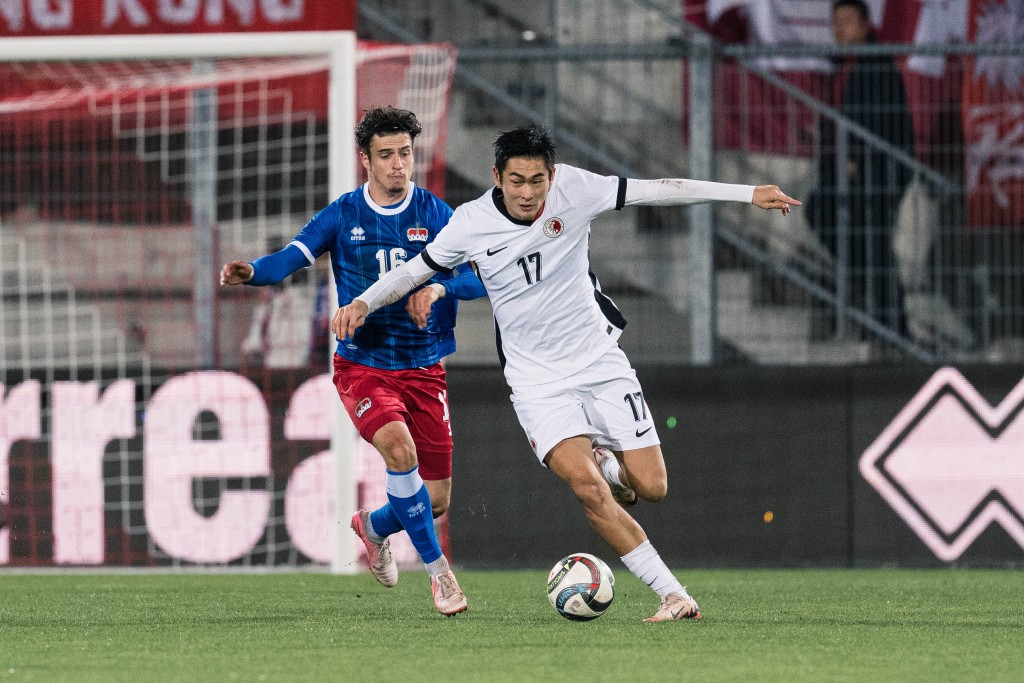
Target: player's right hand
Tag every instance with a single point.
(348, 319)
(235, 273)
(771, 197)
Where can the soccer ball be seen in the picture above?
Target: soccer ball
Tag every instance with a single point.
(580, 587)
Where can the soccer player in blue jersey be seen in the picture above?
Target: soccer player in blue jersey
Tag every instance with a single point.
(389, 375)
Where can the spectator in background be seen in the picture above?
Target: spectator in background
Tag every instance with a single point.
(869, 92)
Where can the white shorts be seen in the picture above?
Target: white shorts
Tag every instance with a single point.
(603, 401)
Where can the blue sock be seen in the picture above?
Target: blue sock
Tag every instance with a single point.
(410, 501)
(384, 521)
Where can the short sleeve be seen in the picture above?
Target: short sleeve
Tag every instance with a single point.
(451, 246)
(317, 234)
(599, 193)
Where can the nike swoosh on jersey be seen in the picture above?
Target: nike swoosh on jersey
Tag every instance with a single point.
(492, 252)
(639, 433)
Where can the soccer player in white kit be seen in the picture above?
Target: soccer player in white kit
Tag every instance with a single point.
(572, 386)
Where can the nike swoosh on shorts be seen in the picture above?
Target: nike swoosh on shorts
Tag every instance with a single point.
(639, 433)
(492, 252)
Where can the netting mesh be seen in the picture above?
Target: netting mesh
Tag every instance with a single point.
(143, 422)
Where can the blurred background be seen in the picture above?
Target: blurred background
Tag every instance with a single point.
(835, 387)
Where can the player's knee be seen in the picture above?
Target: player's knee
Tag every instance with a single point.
(592, 493)
(655, 493)
(439, 506)
(652, 490)
(398, 453)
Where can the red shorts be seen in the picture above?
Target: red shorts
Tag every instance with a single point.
(417, 397)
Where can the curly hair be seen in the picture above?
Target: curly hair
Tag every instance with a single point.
(531, 142)
(385, 121)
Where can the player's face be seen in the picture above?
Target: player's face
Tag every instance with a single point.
(848, 26)
(388, 167)
(525, 184)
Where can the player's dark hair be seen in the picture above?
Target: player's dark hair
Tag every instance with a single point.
(859, 5)
(529, 142)
(385, 121)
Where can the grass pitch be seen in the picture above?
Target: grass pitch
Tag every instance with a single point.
(758, 625)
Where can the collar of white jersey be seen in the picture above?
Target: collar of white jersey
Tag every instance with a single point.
(392, 210)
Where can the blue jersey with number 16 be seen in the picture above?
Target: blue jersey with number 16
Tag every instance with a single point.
(366, 241)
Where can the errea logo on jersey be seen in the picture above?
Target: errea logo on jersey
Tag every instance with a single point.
(554, 226)
(358, 234)
(417, 234)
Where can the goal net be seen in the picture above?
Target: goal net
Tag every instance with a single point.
(148, 417)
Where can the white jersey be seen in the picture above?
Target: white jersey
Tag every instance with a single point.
(552, 319)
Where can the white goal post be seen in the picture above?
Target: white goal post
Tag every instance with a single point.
(339, 47)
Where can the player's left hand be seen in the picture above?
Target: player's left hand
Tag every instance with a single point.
(348, 319)
(771, 197)
(421, 302)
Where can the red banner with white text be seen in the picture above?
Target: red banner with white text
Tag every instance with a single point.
(110, 17)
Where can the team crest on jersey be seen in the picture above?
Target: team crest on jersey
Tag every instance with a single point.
(553, 227)
(417, 234)
(363, 406)
(358, 234)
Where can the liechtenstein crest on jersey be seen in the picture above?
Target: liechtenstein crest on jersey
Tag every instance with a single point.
(417, 234)
(553, 226)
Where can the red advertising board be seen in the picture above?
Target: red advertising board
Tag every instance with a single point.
(103, 17)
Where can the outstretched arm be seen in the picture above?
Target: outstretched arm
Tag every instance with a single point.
(386, 290)
(681, 191)
(266, 270)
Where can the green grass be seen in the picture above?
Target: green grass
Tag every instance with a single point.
(759, 625)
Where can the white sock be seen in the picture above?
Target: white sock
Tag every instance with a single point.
(645, 562)
(437, 567)
(370, 533)
(611, 470)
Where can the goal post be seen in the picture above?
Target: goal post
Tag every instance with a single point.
(51, 237)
